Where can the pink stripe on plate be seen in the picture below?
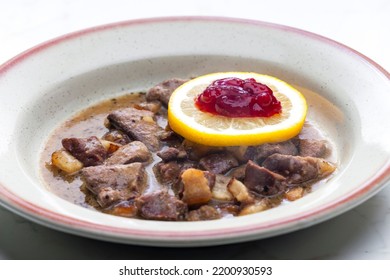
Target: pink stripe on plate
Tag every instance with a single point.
(37, 213)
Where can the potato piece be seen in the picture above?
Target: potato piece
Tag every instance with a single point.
(220, 190)
(110, 146)
(256, 207)
(239, 191)
(196, 187)
(294, 193)
(64, 161)
(325, 168)
(148, 119)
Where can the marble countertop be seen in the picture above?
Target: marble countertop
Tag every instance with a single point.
(361, 233)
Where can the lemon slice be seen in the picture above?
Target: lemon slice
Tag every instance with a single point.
(215, 130)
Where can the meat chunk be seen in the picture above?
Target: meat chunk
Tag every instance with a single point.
(89, 151)
(218, 163)
(135, 151)
(196, 151)
(125, 208)
(312, 148)
(204, 213)
(299, 170)
(263, 181)
(138, 125)
(170, 137)
(107, 196)
(172, 153)
(161, 206)
(238, 173)
(228, 209)
(162, 92)
(115, 182)
(260, 153)
(169, 172)
(153, 106)
(116, 136)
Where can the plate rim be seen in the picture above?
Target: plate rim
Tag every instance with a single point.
(254, 231)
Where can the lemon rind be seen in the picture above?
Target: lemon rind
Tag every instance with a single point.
(283, 131)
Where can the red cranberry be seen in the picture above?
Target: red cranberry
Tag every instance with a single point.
(234, 97)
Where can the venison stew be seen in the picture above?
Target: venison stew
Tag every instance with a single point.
(121, 157)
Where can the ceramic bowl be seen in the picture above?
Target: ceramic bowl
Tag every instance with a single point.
(348, 96)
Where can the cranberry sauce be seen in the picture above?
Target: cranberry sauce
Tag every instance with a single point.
(234, 97)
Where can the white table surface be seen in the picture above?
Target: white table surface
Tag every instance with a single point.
(361, 233)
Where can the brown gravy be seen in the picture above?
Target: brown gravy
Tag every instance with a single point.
(90, 122)
(86, 123)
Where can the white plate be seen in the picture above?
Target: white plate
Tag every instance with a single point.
(45, 85)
